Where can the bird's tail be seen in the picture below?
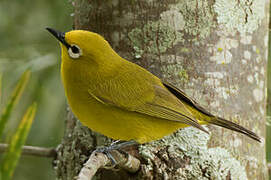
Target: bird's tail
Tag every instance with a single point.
(235, 127)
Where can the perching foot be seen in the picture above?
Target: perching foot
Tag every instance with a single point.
(116, 145)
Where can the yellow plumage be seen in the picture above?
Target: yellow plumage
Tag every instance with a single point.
(122, 100)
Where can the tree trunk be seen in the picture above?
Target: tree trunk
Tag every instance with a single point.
(216, 51)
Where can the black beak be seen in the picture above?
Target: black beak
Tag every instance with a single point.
(59, 35)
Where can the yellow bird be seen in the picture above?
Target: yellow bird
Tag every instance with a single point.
(122, 100)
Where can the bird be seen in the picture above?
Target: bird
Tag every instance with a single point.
(122, 100)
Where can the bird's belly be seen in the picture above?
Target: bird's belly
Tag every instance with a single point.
(120, 124)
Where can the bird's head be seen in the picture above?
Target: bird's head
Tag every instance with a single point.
(84, 46)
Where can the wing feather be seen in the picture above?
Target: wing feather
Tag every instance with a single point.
(183, 97)
(145, 96)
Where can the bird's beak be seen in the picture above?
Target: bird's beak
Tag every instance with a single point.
(59, 35)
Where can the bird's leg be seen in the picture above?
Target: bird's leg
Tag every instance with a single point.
(116, 145)
(115, 142)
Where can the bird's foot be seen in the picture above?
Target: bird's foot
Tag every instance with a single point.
(116, 145)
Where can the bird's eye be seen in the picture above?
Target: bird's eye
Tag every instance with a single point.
(74, 51)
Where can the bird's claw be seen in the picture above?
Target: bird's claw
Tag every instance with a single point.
(107, 151)
(116, 145)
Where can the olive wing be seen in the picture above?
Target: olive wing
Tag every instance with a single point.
(145, 95)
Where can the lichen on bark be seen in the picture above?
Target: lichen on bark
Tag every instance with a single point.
(216, 52)
(188, 154)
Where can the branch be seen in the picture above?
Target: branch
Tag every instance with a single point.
(269, 168)
(99, 160)
(32, 150)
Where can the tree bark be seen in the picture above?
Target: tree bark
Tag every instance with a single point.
(216, 51)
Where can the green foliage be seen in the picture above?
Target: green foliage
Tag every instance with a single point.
(17, 141)
(26, 44)
(17, 93)
(0, 89)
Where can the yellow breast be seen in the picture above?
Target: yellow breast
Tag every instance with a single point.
(111, 121)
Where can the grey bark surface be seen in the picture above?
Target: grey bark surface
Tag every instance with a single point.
(216, 51)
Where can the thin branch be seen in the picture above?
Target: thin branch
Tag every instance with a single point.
(99, 160)
(269, 168)
(33, 150)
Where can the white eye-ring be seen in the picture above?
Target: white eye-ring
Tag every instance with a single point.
(74, 51)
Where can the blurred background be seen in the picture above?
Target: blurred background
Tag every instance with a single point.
(26, 44)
